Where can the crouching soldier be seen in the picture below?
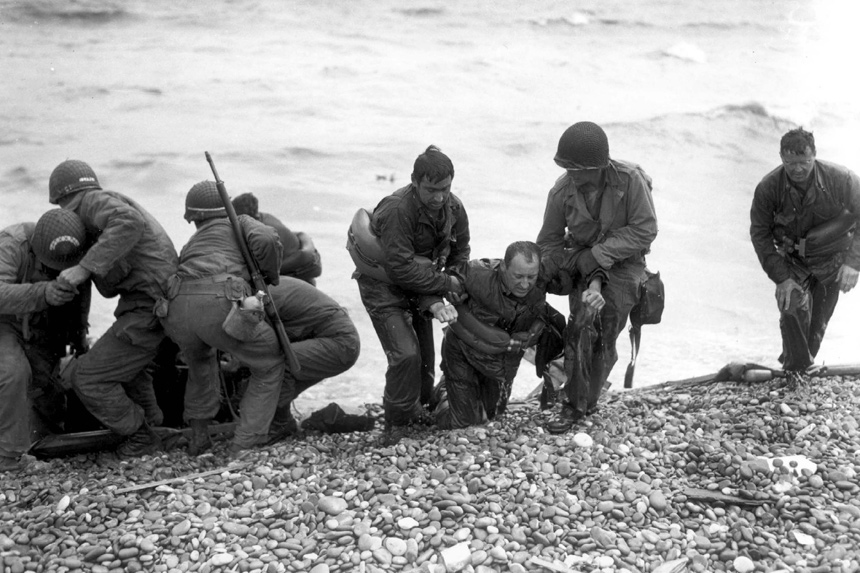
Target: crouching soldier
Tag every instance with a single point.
(131, 257)
(323, 338)
(211, 281)
(300, 258)
(39, 316)
(504, 313)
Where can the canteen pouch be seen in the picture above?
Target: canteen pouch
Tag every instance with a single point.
(649, 309)
(240, 323)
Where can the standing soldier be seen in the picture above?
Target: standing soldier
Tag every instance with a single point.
(598, 225)
(132, 257)
(39, 316)
(804, 218)
(423, 219)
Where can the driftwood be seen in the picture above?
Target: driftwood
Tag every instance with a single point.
(186, 477)
(731, 372)
(710, 496)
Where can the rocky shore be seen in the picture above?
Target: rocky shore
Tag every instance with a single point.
(695, 476)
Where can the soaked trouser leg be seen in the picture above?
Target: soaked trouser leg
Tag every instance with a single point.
(332, 352)
(403, 376)
(47, 398)
(142, 393)
(14, 377)
(120, 356)
(590, 348)
(391, 313)
(477, 385)
(194, 322)
(423, 326)
(803, 326)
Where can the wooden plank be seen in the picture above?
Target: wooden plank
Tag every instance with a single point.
(186, 477)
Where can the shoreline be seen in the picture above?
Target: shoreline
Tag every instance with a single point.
(678, 476)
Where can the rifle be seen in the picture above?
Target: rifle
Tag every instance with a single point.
(256, 275)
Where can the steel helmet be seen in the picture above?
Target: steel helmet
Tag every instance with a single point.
(583, 144)
(203, 202)
(69, 177)
(59, 239)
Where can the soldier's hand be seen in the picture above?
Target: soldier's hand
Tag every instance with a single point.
(57, 293)
(783, 294)
(846, 278)
(444, 313)
(593, 299)
(75, 275)
(457, 294)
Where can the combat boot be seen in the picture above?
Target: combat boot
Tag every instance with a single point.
(200, 439)
(141, 442)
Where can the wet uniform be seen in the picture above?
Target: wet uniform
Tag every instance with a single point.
(783, 214)
(33, 338)
(617, 222)
(399, 311)
(478, 385)
(132, 257)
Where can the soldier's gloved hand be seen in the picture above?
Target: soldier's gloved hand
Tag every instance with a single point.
(783, 294)
(444, 313)
(81, 344)
(57, 293)
(846, 278)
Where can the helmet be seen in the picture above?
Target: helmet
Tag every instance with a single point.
(203, 202)
(69, 177)
(59, 240)
(583, 144)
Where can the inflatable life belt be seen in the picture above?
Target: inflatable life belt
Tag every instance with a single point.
(829, 238)
(479, 335)
(364, 247)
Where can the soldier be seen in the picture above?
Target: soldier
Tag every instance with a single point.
(598, 225)
(212, 280)
(423, 219)
(504, 297)
(39, 315)
(131, 257)
(804, 220)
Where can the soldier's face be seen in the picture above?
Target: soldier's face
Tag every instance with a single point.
(433, 195)
(520, 275)
(798, 167)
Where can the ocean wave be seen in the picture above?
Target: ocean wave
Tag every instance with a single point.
(303, 152)
(687, 52)
(423, 12)
(92, 12)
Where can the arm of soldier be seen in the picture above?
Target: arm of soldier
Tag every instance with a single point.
(17, 298)
(848, 273)
(550, 238)
(403, 269)
(122, 227)
(265, 247)
(640, 230)
(461, 248)
(761, 234)
(592, 296)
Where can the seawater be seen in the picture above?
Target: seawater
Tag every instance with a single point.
(320, 108)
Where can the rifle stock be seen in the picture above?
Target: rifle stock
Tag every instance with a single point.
(256, 276)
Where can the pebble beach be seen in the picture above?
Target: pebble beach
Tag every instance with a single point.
(694, 475)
